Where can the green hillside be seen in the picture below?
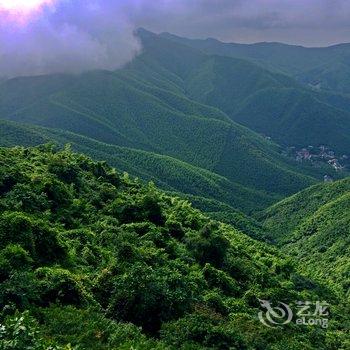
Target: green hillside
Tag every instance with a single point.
(222, 212)
(334, 76)
(199, 186)
(326, 68)
(118, 109)
(92, 258)
(265, 101)
(173, 92)
(299, 206)
(169, 173)
(298, 116)
(314, 227)
(166, 117)
(291, 113)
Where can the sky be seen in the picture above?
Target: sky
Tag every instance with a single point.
(46, 36)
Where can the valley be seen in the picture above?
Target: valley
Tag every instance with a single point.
(163, 204)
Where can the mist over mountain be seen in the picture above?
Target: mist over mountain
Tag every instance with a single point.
(165, 193)
(75, 36)
(55, 39)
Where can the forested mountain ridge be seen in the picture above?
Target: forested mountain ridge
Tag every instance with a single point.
(82, 244)
(160, 103)
(324, 68)
(152, 119)
(171, 173)
(244, 90)
(314, 227)
(97, 258)
(209, 192)
(126, 109)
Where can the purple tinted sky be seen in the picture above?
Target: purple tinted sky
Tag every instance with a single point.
(304, 22)
(85, 34)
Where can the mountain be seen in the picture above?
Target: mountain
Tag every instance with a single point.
(314, 227)
(265, 101)
(218, 197)
(128, 109)
(296, 118)
(91, 258)
(94, 258)
(171, 115)
(170, 173)
(326, 68)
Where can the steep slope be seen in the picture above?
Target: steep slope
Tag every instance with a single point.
(314, 227)
(169, 173)
(14, 134)
(118, 109)
(264, 101)
(292, 112)
(324, 68)
(150, 106)
(104, 262)
(213, 194)
(290, 212)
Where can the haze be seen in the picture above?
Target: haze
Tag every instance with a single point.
(73, 36)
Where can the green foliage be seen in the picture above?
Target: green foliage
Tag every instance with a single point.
(59, 286)
(33, 235)
(87, 327)
(165, 129)
(21, 332)
(103, 261)
(13, 258)
(314, 227)
(158, 131)
(111, 263)
(209, 246)
(282, 218)
(205, 327)
(148, 297)
(246, 83)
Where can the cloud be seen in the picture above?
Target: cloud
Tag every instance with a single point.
(307, 22)
(78, 35)
(72, 36)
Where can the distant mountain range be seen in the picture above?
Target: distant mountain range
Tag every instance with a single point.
(191, 121)
(324, 67)
(214, 124)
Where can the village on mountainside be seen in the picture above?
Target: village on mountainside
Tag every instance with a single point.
(318, 154)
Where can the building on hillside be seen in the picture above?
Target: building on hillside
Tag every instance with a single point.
(328, 178)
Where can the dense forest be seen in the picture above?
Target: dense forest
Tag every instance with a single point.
(314, 226)
(93, 259)
(188, 200)
(174, 112)
(325, 68)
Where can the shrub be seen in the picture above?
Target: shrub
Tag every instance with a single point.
(204, 328)
(219, 279)
(87, 328)
(209, 246)
(16, 257)
(60, 286)
(33, 235)
(21, 332)
(147, 297)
